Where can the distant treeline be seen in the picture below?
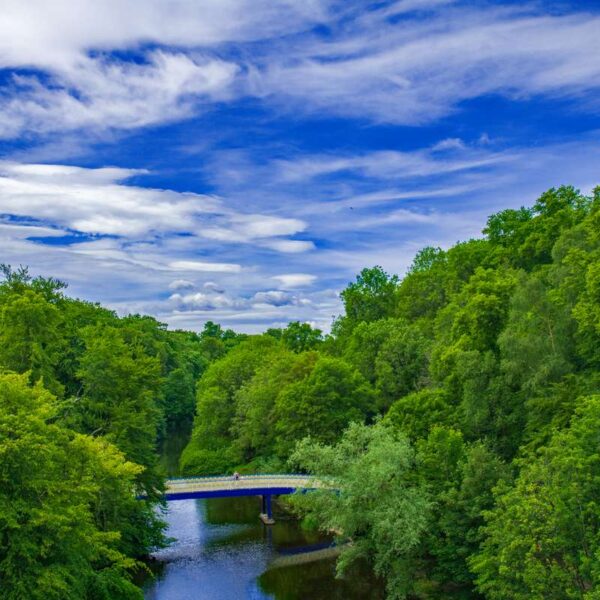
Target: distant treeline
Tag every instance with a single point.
(456, 411)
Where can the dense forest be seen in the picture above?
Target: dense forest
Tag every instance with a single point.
(455, 412)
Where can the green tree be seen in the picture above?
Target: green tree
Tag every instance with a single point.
(391, 355)
(30, 327)
(210, 450)
(372, 497)
(460, 513)
(53, 482)
(300, 337)
(255, 421)
(322, 404)
(537, 343)
(542, 538)
(372, 296)
(417, 413)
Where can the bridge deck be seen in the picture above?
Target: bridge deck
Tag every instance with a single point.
(247, 485)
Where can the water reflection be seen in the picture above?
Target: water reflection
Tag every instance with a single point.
(224, 552)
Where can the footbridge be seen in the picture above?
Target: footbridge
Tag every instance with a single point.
(265, 486)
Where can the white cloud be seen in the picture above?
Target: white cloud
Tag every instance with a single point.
(274, 297)
(99, 202)
(294, 280)
(181, 284)
(260, 226)
(289, 246)
(205, 302)
(418, 70)
(447, 156)
(213, 286)
(100, 93)
(53, 34)
(85, 86)
(264, 230)
(410, 62)
(204, 267)
(448, 144)
(94, 201)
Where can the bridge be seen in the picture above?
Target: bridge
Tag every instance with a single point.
(265, 486)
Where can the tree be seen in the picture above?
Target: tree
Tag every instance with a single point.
(426, 259)
(417, 413)
(370, 297)
(391, 355)
(370, 496)
(120, 397)
(29, 332)
(542, 538)
(255, 421)
(401, 365)
(210, 450)
(55, 539)
(300, 337)
(460, 513)
(536, 345)
(525, 238)
(322, 404)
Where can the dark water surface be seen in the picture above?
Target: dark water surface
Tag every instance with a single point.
(224, 552)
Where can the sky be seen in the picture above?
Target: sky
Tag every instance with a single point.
(241, 161)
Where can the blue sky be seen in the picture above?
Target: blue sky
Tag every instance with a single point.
(242, 160)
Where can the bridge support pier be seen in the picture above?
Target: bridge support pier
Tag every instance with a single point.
(266, 515)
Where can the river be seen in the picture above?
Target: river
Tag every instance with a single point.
(222, 551)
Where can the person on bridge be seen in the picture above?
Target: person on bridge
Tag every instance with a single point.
(236, 476)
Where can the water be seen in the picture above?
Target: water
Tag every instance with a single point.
(224, 552)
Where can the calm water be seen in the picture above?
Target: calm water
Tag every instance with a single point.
(224, 552)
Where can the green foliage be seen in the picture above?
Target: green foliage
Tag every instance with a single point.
(543, 536)
(391, 355)
(417, 413)
(536, 343)
(322, 404)
(374, 499)
(439, 457)
(261, 398)
(370, 297)
(300, 337)
(125, 382)
(57, 539)
(120, 386)
(29, 329)
(426, 259)
(460, 512)
(210, 449)
(254, 425)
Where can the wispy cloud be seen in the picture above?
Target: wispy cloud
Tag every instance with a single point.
(53, 35)
(399, 62)
(418, 70)
(97, 202)
(294, 280)
(100, 93)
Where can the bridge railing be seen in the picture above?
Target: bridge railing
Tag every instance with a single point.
(218, 478)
